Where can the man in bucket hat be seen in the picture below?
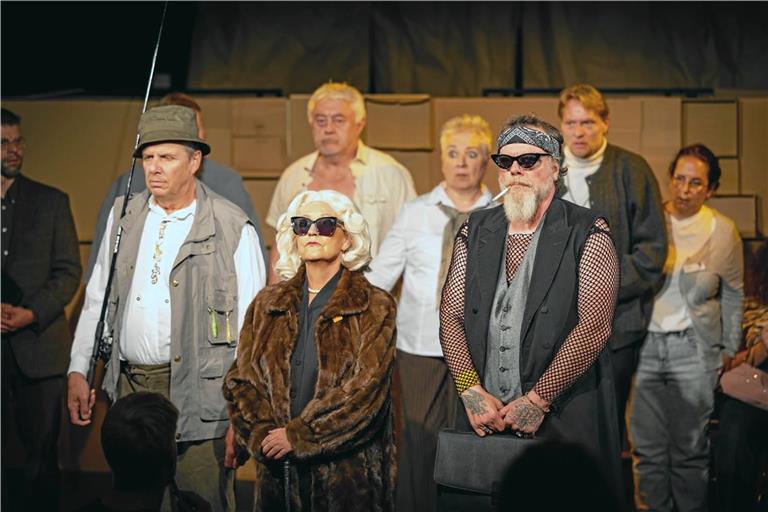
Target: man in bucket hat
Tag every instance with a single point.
(220, 178)
(189, 265)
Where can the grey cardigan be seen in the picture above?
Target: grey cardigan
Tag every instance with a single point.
(714, 295)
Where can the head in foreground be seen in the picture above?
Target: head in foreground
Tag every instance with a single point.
(138, 438)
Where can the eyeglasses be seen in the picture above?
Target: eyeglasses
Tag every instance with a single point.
(326, 226)
(525, 161)
(19, 143)
(694, 185)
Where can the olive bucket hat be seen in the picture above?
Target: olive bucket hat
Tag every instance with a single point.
(170, 123)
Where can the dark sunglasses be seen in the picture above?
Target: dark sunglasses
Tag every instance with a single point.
(326, 226)
(526, 161)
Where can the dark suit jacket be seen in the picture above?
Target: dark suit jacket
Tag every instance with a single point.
(44, 260)
(625, 190)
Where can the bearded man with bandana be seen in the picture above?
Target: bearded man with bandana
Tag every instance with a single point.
(528, 304)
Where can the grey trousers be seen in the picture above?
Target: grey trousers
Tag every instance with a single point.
(670, 407)
(200, 464)
(427, 404)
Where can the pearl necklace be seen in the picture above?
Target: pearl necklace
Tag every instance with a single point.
(312, 290)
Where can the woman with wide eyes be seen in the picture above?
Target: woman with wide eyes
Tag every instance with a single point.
(309, 393)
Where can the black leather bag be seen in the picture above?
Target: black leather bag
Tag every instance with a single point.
(472, 463)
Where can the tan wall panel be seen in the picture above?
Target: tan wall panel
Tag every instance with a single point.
(729, 178)
(661, 134)
(753, 155)
(263, 117)
(261, 191)
(299, 141)
(78, 146)
(260, 156)
(220, 140)
(741, 209)
(714, 124)
(418, 163)
(217, 112)
(625, 120)
(399, 121)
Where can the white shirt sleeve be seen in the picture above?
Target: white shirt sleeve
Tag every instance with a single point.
(251, 273)
(389, 263)
(82, 346)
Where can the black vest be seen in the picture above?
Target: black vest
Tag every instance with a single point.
(586, 412)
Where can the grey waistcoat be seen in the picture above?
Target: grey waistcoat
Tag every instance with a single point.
(203, 285)
(502, 378)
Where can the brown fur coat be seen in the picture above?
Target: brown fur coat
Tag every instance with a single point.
(345, 432)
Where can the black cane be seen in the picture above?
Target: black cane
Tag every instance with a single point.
(102, 345)
(287, 483)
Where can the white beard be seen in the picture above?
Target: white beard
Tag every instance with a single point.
(522, 203)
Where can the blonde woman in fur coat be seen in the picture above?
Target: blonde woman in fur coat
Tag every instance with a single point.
(309, 393)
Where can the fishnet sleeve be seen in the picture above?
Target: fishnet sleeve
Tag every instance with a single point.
(453, 338)
(598, 288)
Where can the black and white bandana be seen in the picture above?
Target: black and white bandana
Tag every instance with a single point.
(530, 136)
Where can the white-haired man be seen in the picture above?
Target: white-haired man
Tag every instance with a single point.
(376, 182)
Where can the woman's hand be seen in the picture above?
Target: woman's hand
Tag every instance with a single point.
(276, 444)
(482, 410)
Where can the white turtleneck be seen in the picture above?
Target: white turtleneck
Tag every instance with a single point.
(579, 169)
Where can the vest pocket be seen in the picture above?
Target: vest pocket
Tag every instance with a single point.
(212, 405)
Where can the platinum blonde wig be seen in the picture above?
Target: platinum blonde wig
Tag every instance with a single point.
(338, 91)
(352, 222)
(474, 125)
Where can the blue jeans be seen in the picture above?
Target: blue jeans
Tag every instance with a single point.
(670, 406)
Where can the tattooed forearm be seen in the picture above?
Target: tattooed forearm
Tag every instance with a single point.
(474, 402)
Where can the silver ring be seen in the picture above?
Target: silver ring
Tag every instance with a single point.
(486, 429)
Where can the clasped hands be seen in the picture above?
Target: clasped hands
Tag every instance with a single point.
(487, 414)
(14, 318)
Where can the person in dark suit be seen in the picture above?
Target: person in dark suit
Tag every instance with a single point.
(41, 271)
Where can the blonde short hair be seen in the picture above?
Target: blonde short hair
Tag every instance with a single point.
(587, 95)
(352, 222)
(475, 125)
(338, 91)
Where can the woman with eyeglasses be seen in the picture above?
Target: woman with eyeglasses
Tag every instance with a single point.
(309, 392)
(695, 327)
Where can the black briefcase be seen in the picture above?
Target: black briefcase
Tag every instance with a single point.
(472, 463)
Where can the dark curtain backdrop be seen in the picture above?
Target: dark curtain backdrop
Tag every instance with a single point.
(462, 48)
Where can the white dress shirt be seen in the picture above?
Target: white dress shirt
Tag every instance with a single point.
(145, 336)
(382, 185)
(414, 246)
